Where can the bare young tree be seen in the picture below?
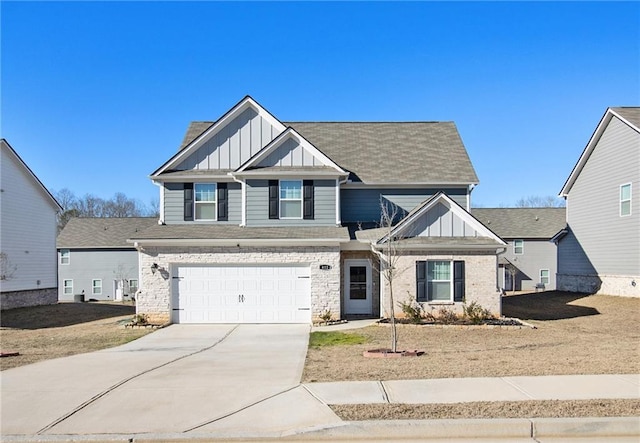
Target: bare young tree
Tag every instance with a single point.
(513, 272)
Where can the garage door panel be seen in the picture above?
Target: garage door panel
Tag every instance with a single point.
(243, 294)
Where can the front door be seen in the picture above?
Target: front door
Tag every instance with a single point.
(357, 287)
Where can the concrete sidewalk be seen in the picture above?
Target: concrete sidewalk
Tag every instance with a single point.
(462, 390)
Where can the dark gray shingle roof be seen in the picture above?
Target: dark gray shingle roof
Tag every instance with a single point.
(385, 152)
(233, 232)
(102, 232)
(629, 113)
(522, 222)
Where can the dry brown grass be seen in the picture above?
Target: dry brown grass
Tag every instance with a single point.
(511, 409)
(576, 334)
(46, 332)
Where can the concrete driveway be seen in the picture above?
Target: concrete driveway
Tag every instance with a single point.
(181, 379)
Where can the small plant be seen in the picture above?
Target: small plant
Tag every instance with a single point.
(476, 313)
(446, 316)
(140, 319)
(412, 310)
(326, 315)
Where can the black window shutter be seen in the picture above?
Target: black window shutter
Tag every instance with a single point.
(307, 199)
(458, 281)
(421, 281)
(273, 199)
(223, 202)
(188, 201)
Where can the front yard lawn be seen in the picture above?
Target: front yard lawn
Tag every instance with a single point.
(46, 332)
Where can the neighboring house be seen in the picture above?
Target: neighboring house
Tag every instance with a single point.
(530, 261)
(265, 221)
(599, 251)
(95, 262)
(27, 235)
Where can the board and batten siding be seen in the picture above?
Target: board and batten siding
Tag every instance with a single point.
(174, 204)
(258, 205)
(610, 242)
(363, 205)
(440, 221)
(233, 145)
(85, 265)
(28, 229)
(290, 154)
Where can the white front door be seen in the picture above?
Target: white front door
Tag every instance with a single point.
(357, 287)
(242, 294)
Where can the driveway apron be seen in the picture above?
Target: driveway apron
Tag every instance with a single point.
(178, 379)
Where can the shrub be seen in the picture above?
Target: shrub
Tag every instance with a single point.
(412, 310)
(476, 313)
(140, 319)
(446, 316)
(326, 315)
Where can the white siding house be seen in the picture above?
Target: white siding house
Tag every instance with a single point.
(599, 252)
(27, 235)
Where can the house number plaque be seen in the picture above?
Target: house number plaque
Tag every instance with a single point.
(325, 267)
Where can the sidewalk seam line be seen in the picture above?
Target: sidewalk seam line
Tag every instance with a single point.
(126, 380)
(518, 388)
(304, 385)
(385, 395)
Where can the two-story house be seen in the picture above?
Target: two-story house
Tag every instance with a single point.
(530, 261)
(95, 262)
(599, 251)
(266, 221)
(28, 229)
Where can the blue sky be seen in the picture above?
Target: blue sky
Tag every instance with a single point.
(95, 96)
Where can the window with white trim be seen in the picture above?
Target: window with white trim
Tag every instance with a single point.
(291, 199)
(625, 200)
(96, 287)
(133, 285)
(518, 247)
(205, 201)
(439, 280)
(544, 276)
(67, 287)
(65, 256)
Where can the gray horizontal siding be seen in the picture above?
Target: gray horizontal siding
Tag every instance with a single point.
(538, 254)
(174, 204)
(611, 243)
(258, 205)
(106, 265)
(363, 205)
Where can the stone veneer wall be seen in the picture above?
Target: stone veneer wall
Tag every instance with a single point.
(480, 281)
(154, 297)
(620, 285)
(33, 297)
(375, 276)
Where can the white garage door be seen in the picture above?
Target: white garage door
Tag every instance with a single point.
(241, 294)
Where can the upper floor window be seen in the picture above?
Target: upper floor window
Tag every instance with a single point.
(96, 287)
(625, 199)
(205, 201)
(133, 285)
(518, 247)
(290, 198)
(65, 256)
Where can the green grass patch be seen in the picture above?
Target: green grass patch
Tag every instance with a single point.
(320, 339)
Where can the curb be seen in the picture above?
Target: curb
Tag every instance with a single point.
(385, 430)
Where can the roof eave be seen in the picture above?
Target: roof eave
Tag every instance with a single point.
(238, 242)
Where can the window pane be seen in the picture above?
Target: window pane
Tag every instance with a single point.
(625, 192)
(544, 276)
(205, 211)
(96, 287)
(440, 290)
(438, 270)
(625, 208)
(291, 209)
(290, 189)
(205, 192)
(68, 286)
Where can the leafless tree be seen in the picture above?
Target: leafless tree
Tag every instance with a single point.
(537, 201)
(513, 272)
(7, 269)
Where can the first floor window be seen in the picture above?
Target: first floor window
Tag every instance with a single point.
(64, 256)
(544, 276)
(205, 201)
(133, 286)
(96, 287)
(67, 287)
(518, 247)
(290, 199)
(440, 280)
(625, 200)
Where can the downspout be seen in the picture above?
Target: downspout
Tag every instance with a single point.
(161, 215)
(382, 280)
(338, 201)
(140, 249)
(498, 254)
(243, 191)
